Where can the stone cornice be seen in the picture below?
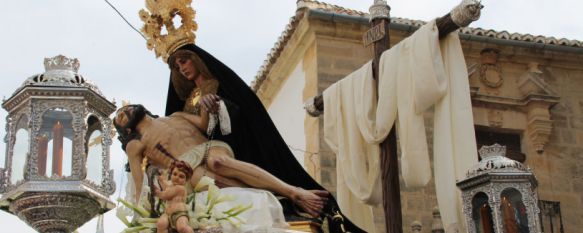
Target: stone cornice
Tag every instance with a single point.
(513, 102)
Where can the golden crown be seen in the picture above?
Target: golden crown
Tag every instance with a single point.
(160, 14)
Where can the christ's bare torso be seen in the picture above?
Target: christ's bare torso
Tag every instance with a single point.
(169, 137)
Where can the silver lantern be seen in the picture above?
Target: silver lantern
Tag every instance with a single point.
(58, 134)
(499, 195)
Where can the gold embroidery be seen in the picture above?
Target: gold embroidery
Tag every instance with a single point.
(191, 104)
(209, 86)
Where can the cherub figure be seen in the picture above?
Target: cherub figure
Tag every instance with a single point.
(176, 212)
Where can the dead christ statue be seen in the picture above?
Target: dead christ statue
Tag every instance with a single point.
(179, 137)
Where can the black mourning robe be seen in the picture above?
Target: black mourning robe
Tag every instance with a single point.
(254, 138)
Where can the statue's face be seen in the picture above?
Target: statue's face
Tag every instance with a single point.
(124, 115)
(178, 177)
(129, 116)
(186, 68)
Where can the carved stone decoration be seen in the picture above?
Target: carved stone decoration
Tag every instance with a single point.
(531, 101)
(493, 175)
(531, 84)
(436, 224)
(539, 125)
(57, 203)
(416, 227)
(490, 70)
(495, 118)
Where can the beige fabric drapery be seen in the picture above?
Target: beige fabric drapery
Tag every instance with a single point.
(414, 75)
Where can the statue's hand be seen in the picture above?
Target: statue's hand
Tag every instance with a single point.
(156, 191)
(210, 102)
(162, 182)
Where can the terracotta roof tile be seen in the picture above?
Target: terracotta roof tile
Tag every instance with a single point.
(325, 7)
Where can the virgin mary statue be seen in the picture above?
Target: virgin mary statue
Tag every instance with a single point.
(253, 138)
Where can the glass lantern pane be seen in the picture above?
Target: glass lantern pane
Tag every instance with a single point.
(20, 150)
(94, 150)
(57, 130)
(514, 216)
(482, 214)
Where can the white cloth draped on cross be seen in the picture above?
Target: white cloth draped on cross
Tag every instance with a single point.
(416, 74)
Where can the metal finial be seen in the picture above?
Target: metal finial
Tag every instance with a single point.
(416, 226)
(61, 62)
(379, 10)
(466, 12)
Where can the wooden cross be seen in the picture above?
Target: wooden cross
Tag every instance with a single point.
(378, 37)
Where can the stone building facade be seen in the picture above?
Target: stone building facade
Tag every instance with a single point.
(527, 93)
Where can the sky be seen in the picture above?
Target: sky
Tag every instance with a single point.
(240, 33)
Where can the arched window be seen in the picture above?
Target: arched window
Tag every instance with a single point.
(482, 214)
(56, 129)
(94, 150)
(514, 217)
(20, 150)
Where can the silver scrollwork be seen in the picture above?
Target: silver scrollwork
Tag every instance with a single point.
(310, 107)
(46, 211)
(380, 10)
(466, 12)
(2, 181)
(492, 176)
(107, 185)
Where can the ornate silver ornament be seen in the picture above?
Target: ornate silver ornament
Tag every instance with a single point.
(60, 71)
(379, 10)
(494, 176)
(310, 107)
(56, 105)
(466, 12)
(494, 160)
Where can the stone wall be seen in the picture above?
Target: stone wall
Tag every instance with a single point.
(558, 166)
(559, 169)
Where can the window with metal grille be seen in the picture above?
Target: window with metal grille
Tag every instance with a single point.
(487, 137)
(550, 217)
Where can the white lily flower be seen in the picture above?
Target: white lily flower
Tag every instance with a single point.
(212, 194)
(204, 182)
(123, 217)
(225, 198)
